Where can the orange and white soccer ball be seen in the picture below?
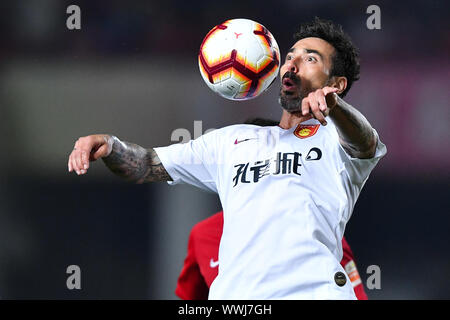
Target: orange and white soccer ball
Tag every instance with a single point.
(239, 59)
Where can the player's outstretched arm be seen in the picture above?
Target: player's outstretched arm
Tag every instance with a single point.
(135, 163)
(355, 132)
(128, 160)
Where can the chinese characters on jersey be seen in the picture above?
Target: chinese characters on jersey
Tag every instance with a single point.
(285, 163)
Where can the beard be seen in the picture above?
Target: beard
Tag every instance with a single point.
(289, 104)
(291, 101)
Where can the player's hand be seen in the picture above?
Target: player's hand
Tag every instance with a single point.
(319, 103)
(89, 148)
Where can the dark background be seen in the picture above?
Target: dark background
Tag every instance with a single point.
(132, 71)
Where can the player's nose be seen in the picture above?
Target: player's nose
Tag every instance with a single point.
(291, 66)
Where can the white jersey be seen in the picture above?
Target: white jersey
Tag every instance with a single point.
(287, 196)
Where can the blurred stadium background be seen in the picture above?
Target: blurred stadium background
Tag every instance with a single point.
(132, 71)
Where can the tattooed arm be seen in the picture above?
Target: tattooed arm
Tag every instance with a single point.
(134, 163)
(355, 132)
(127, 160)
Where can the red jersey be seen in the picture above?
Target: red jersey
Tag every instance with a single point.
(201, 264)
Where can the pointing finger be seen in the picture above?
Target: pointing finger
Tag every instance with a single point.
(321, 100)
(305, 107)
(314, 104)
(327, 90)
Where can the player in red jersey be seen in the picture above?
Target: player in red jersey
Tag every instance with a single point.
(201, 263)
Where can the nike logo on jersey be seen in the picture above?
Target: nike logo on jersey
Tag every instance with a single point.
(213, 264)
(239, 141)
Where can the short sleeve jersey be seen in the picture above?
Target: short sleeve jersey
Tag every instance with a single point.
(287, 195)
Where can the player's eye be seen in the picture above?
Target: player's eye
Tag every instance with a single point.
(311, 59)
(289, 58)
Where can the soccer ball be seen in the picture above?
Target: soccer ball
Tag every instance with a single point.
(239, 59)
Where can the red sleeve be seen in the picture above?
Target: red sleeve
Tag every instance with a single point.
(348, 263)
(191, 284)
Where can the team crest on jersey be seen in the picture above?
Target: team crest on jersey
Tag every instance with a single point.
(305, 131)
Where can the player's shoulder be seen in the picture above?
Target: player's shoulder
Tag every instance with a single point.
(240, 129)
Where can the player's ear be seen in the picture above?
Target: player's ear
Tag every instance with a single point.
(340, 83)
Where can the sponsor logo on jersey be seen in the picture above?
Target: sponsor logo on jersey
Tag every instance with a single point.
(280, 164)
(314, 154)
(305, 131)
(352, 272)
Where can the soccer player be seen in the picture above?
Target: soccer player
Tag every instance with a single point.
(201, 263)
(287, 191)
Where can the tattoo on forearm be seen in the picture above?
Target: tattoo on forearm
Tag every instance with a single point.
(354, 130)
(135, 163)
(359, 124)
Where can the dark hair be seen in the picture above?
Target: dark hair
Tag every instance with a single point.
(346, 59)
(261, 122)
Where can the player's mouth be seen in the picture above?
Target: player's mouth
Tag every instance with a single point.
(289, 83)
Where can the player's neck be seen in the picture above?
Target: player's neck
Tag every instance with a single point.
(289, 120)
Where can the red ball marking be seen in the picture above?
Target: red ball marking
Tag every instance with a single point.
(264, 35)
